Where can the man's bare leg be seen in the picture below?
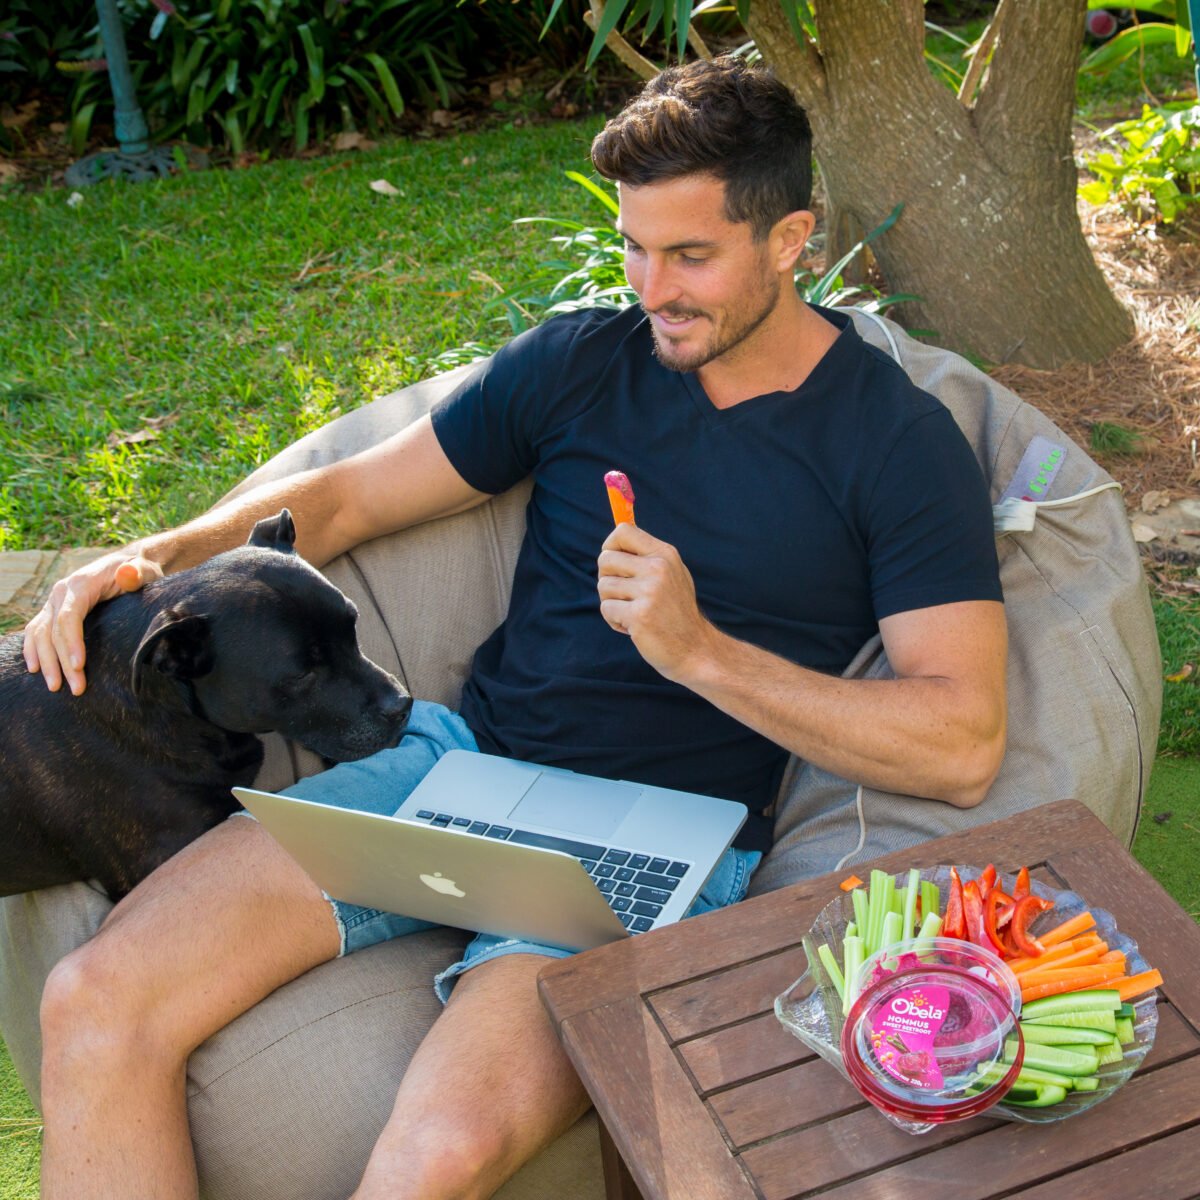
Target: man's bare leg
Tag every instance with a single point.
(488, 1088)
(208, 935)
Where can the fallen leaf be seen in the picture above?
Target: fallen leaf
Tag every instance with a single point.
(1153, 501)
(130, 439)
(384, 188)
(1163, 817)
(9, 171)
(352, 140)
(1143, 533)
(441, 118)
(1181, 674)
(469, 160)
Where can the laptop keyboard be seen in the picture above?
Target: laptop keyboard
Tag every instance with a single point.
(635, 885)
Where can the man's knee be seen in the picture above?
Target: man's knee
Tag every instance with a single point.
(87, 1015)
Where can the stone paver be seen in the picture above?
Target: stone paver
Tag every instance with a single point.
(26, 576)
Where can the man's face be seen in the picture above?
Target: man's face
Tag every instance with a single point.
(705, 284)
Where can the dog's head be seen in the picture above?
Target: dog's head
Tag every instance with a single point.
(255, 640)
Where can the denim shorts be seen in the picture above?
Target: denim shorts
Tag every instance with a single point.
(382, 783)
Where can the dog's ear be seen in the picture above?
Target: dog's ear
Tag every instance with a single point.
(275, 533)
(175, 643)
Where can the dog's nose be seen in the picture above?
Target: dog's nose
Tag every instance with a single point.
(394, 707)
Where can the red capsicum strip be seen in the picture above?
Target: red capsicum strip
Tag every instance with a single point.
(1024, 911)
(973, 915)
(996, 900)
(1021, 888)
(952, 922)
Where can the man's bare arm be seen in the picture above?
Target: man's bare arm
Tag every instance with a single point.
(937, 730)
(401, 482)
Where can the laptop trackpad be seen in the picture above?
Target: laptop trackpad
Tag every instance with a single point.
(587, 806)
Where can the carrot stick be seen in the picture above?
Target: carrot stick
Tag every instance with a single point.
(850, 883)
(1077, 958)
(1051, 983)
(1026, 962)
(1134, 985)
(1112, 956)
(1068, 929)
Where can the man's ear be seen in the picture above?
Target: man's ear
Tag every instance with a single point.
(176, 644)
(275, 533)
(789, 237)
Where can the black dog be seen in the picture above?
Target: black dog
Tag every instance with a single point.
(181, 676)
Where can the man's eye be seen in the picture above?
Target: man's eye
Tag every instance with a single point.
(690, 261)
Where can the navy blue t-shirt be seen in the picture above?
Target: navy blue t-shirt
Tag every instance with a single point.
(804, 518)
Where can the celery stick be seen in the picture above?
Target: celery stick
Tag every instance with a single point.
(931, 901)
(885, 907)
(852, 954)
(829, 962)
(851, 930)
(861, 913)
(910, 902)
(890, 934)
(874, 912)
(931, 926)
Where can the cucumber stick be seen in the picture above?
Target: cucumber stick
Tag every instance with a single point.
(1064, 1035)
(1079, 1060)
(1101, 1020)
(1073, 1002)
(1045, 1094)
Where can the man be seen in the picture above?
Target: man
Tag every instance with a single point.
(805, 493)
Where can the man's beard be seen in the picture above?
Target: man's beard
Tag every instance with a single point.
(721, 339)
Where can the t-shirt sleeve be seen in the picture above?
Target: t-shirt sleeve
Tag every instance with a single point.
(489, 426)
(929, 518)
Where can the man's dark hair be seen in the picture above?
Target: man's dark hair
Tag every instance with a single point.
(721, 118)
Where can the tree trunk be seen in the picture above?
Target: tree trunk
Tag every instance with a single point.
(990, 236)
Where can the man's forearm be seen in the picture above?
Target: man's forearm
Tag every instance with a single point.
(924, 736)
(308, 496)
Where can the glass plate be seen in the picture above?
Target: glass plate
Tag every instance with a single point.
(812, 1011)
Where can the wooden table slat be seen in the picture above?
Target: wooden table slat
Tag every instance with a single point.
(696, 1007)
(665, 1134)
(1173, 1162)
(738, 1052)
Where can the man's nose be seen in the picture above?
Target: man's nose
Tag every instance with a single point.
(658, 285)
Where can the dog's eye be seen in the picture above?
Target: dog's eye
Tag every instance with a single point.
(298, 683)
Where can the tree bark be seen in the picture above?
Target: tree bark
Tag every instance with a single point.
(989, 237)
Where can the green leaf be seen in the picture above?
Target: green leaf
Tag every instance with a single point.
(596, 190)
(1096, 192)
(231, 77)
(833, 274)
(614, 10)
(387, 81)
(316, 66)
(1161, 8)
(374, 99)
(1127, 43)
(550, 17)
(81, 126)
(273, 101)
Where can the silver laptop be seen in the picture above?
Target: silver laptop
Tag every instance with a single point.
(504, 847)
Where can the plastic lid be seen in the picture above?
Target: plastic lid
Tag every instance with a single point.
(932, 1016)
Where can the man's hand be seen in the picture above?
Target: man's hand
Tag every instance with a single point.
(647, 592)
(54, 638)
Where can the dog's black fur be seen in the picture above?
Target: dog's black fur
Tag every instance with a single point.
(181, 676)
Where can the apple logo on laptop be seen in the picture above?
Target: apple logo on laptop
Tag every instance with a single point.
(441, 884)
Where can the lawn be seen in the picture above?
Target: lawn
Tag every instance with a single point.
(159, 341)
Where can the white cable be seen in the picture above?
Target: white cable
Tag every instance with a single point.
(862, 831)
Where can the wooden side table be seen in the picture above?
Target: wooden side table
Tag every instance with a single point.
(703, 1095)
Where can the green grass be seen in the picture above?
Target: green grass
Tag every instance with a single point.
(223, 314)
(20, 1137)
